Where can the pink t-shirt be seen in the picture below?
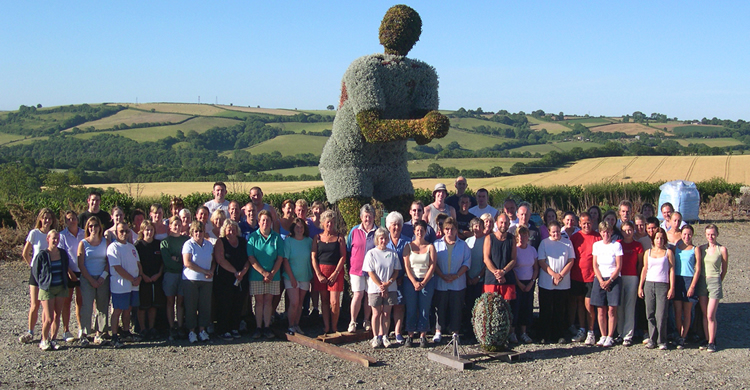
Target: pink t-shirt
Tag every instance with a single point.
(525, 259)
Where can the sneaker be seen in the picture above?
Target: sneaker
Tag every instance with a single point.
(54, 345)
(711, 348)
(680, 343)
(703, 345)
(646, 340)
(98, 340)
(203, 335)
(375, 343)
(227, 337)
(192, 337)
(243, 326)
(210, 329)
(291, 330)
(601, 341)
(45, 345)
(618, 340)
(80, 333)
(125, 336)
(173, 334)
(573, 330)
(526, 339)
(407, 342)
(650, 344)
(608, 342)
(236, 334)
(352, 327)
(438, 337)
(590, 338)
(400, 339)
(84, 342)
(580, 336)
(68, 337)
(256, 334)
(627, 342)
(268, 334)
(386, 342)
(298, 330)
(367, 325)
(663, 347)
(116, 343)
(423, 342)
(27, 338)
(513, 339)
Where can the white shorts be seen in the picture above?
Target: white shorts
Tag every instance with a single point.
(300, 285)
(359, 283)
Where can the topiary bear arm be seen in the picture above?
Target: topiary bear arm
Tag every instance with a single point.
(374, 129)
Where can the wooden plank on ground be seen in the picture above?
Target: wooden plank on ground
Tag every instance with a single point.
(330, 349)
(450, 360)
(345, 337)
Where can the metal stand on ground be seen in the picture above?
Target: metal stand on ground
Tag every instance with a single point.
(450, 355)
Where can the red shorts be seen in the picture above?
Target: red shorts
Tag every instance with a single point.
(507, 291)
(327, 270)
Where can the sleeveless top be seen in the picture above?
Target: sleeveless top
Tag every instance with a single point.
(420, 263)
(500, 254)
(95, 257)
(658, 269)
(711, 262)
(684, 262)
(236, 256)
(329, 253)
(434, 212)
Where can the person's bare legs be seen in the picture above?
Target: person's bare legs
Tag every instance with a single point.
(259, 310)
(602, 310)
(34, 307)
(326, 311)
(170, 311)
(356, 304)
(56, 314)
(335, 303)
(268, 308)
(48, 310)
(398, 318)
(591, 310)
(612, 321)
(709, 307)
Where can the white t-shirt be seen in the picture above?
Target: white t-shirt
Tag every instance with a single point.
(213, 206)
(38, 241)
(124, 255)
(384, 263)
(605, 256)
(478, 212)
(556, 254)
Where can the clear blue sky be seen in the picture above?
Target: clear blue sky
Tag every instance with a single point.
(681, 58)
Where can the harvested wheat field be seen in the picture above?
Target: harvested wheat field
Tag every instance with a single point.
(177, 108)
(255, 110)
(733, 169)
(130, 117)
(627, 128)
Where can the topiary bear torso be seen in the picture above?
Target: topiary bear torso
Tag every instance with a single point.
(395, 87)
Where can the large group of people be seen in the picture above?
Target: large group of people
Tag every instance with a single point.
(618, 273)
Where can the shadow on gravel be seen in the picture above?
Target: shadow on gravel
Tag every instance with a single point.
(556, 353)
(734, 325)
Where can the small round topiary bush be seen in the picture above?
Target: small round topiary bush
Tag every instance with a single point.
(491, 319)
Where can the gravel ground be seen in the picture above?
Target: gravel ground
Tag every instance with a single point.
(247, 363)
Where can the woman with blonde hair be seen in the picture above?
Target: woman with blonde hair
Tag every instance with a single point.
(36, 242)
(156, 213)
(94, 266)
(50, 269)
(714, 259)
(328, 259)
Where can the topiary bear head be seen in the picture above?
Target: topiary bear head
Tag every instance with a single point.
(400, 29)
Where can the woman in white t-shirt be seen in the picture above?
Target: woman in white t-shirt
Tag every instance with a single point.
(605, 294)
(197, 278)
(35, 243)
(382, 265)
(556, 257)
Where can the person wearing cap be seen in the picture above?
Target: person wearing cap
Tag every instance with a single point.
(431, 212)
(461, 186)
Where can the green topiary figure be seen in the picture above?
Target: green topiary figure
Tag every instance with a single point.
(386, 99)
(491, 319)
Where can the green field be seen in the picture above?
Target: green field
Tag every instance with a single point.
(297, 127)
(5, 138)
(320, 112)
(289, 145)
(150, 134)
(467, 140)
(560, 147)
(696, 129)
(470, 123)
(710, 142)
(589, 122)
